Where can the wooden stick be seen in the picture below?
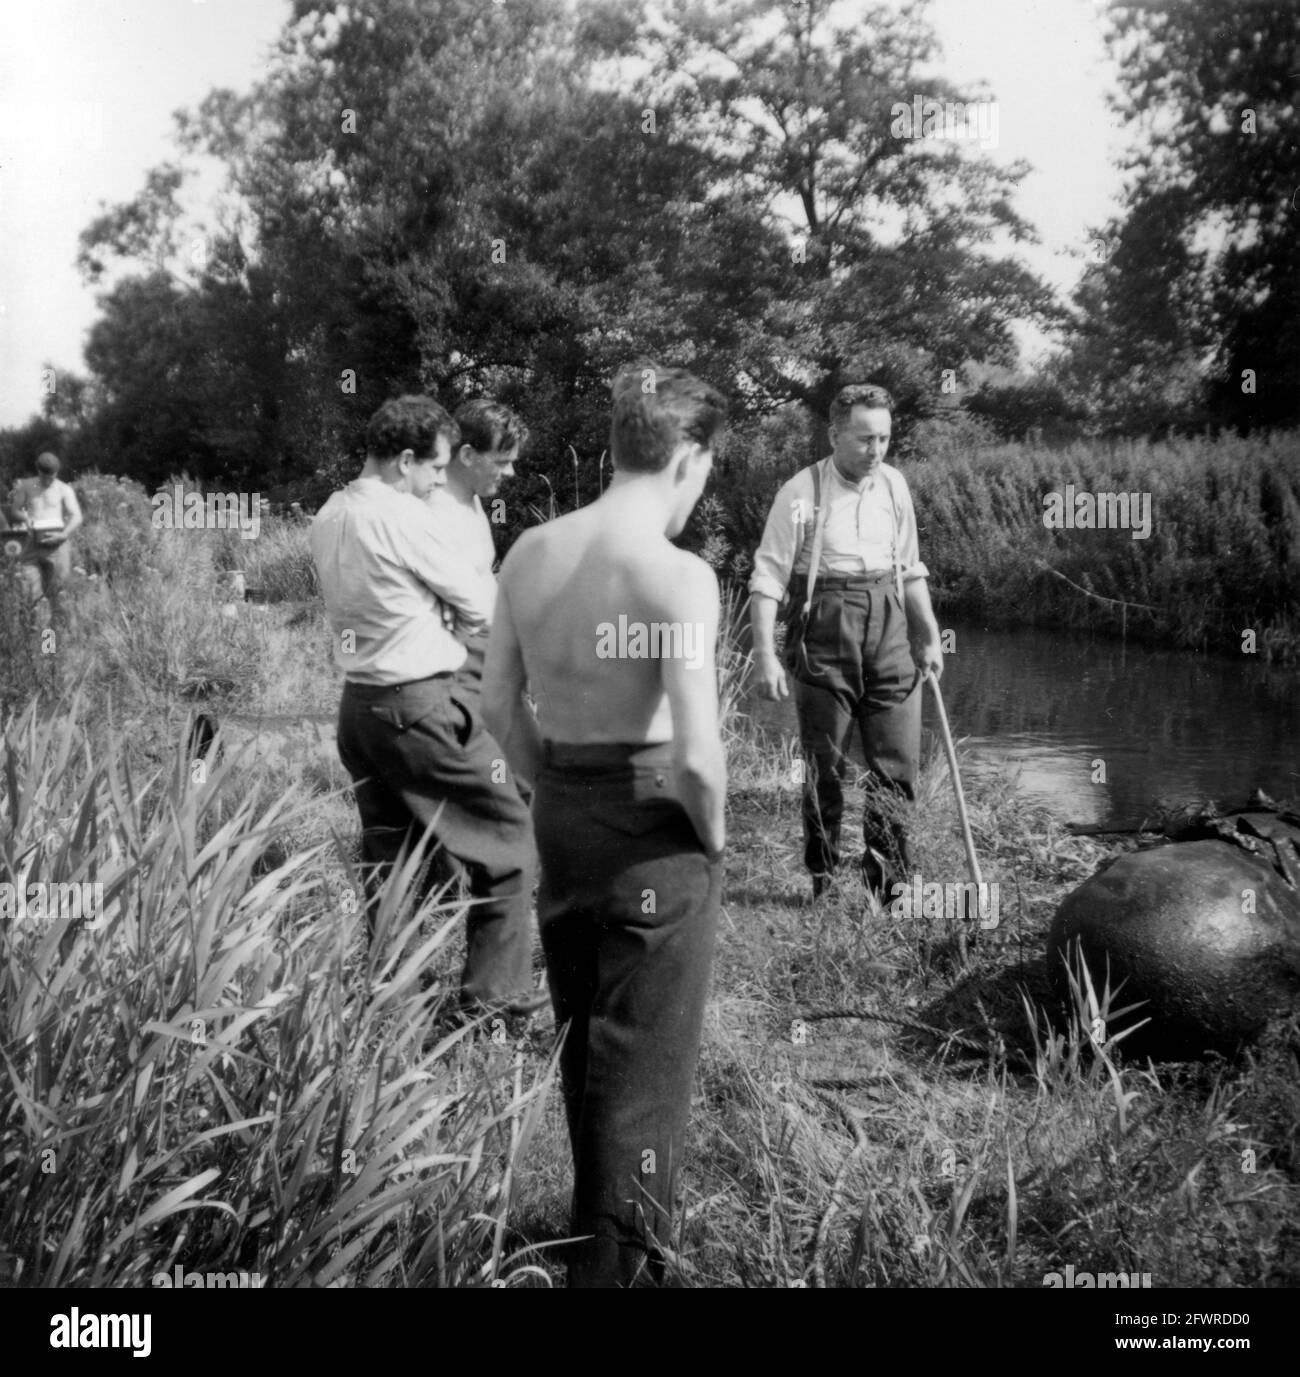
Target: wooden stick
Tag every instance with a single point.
(967, 840)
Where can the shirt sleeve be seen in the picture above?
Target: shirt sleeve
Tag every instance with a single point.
(782, 537)
(909, 547)
(440, 566)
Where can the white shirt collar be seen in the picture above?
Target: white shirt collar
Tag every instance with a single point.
(866, 484)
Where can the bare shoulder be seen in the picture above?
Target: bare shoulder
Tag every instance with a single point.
(521, 554)
(684, 585)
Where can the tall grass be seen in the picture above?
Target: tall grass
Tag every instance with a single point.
(211, 1073)
(221, 1074)
(1222, 558)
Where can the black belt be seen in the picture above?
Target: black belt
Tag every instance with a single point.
(850, 580)
(375, 690)
(588, 754)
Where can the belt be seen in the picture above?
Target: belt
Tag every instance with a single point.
(595, 754)
(867, 580)
(377, 690)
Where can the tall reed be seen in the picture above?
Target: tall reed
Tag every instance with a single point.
(205, 1069)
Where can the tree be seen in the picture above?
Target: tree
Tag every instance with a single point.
(1195, 294)
(464, 198)
(886, 271)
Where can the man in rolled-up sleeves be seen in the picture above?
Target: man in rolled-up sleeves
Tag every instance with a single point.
(491, 437)
(841, 546)
(50, 507)
(410, 734)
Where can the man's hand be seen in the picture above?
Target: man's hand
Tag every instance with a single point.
(922, 628)
(929, 657)
(769, 677)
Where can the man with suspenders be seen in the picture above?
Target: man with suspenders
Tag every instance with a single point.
(841, 543)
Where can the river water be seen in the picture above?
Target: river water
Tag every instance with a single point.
(1101, 732)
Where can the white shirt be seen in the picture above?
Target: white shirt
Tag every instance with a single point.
(386, 568)
(466, 530)
(868, 524)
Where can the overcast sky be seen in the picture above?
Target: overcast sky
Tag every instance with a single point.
(87, 89)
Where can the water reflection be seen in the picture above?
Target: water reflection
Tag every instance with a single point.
(1165, 726)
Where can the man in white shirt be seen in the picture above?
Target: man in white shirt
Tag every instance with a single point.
(411, 739)
(50, 508)
(491, 436)
(841, 537)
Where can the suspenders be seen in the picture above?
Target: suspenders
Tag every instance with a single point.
(818, 535)
(815, 534)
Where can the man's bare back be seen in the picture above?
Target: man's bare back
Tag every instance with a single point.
(607, 627)
(604, 606)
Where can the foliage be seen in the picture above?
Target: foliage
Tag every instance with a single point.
(199, 1071)
(1222, 557)
(1204, 262)
(445, 198)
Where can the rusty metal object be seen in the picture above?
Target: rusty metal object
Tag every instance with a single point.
(1205, 931)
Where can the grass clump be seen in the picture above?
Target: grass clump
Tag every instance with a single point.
(209, 1073)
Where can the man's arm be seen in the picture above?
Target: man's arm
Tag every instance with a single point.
(505, 679)
(922, 627)
(923, 630)
(691, 683)
(72, 517)
(769, 677)
(440, 566)
(774, 560)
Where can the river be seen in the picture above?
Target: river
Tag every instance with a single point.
(1101, 731)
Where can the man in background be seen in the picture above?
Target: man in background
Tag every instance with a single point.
(409, 736)
(50, 508)
(491, 437)
(613, 630)
(841, 539)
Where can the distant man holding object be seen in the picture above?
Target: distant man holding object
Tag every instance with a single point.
(841, 538)
(491, 437)
(51, 511)
(630, 780)
(412, 741)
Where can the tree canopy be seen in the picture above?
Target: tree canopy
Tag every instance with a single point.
(517, 198)
(1189, 313)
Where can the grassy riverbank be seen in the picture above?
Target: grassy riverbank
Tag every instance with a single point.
(867, 1114)
(1221, 559)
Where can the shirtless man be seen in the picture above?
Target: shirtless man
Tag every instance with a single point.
(45, 570)
(613, 630)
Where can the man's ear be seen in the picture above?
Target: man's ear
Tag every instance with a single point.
(688, 452)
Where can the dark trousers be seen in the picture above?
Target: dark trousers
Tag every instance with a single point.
(419, 753)
(628, 910)
(45, 574)
(852, 664)
(469, 676)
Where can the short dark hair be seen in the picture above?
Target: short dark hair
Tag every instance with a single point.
(487, 425)
(859, 394)
(411, 422)
(48, 462)
(655, 409)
